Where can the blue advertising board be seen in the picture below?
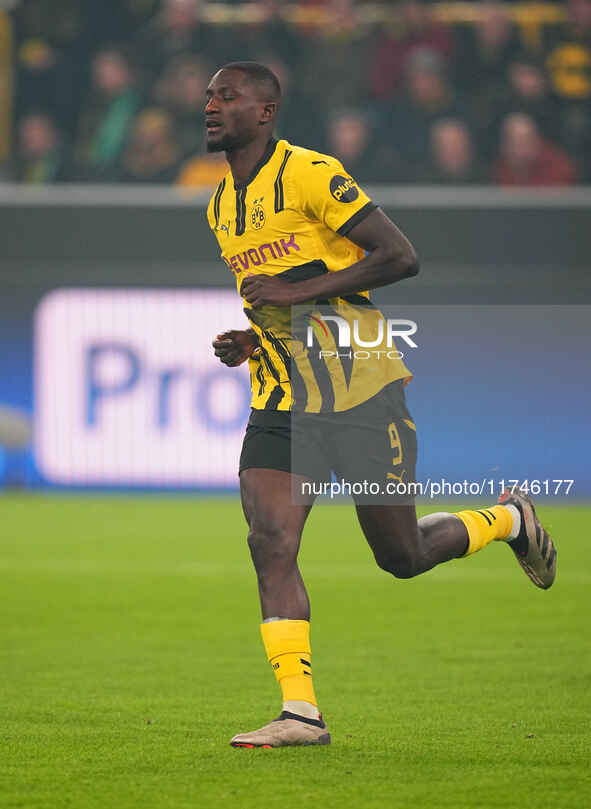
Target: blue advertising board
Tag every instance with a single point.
(121, 389)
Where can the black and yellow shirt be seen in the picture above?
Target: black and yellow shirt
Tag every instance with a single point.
(291, 219)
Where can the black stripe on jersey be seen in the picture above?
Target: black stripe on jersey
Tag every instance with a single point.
(299, 392)
(277, 344)
(275, 397)
(322, 376)
(279, 200)
(358, 217)
(261, 379)
(240, 210)
(270, 365)
(357, 300)
(280, 348)
(345, 360)
(217, 200)
(312, 269)
(303, 272)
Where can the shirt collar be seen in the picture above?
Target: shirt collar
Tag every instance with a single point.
(267, 155)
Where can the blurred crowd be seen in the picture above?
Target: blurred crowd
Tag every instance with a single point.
(113, 91)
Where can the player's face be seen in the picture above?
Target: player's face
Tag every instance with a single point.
(233, 111)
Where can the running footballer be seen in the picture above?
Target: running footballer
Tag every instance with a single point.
(296, 230)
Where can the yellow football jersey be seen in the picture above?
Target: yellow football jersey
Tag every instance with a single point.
(291, 218)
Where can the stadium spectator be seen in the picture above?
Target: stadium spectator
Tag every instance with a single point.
(181, 90)
(429, 97)
(568, 61)
(352, 138)
(416, 30)
(296, 97)
(272, 35)
(105, 120)
(37, 76)
(40, 153)
(64, 22)
(178, 28)
(153, 155)
(527, 159)
(526, 90)
(487, 47)
(452, 155)
(414, 71)
(569, 53)
(529, 93)
(55, 42)
(334, 51)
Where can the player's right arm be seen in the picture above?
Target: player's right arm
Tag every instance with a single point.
(235, 346)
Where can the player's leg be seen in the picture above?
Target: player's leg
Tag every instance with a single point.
(275, 531)
(403, 545)
(406, 547)
(381, 446)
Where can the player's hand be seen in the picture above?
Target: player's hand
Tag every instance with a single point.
(261, 290)
(234, 347)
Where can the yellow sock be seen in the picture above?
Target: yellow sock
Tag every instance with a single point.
(485, 525)
(287, 644)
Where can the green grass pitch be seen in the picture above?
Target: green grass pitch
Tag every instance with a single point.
(130, 653)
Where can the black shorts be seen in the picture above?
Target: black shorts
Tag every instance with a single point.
(374, 443)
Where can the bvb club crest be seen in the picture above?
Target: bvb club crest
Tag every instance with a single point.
(257, 216)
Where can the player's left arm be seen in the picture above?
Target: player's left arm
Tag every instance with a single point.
(323, 191)
(390, 258)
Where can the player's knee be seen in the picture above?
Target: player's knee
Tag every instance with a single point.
(401, 565)
(270, 546)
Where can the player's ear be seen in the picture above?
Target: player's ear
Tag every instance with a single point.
(268, 113)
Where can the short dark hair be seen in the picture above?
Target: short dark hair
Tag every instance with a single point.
(259, 74)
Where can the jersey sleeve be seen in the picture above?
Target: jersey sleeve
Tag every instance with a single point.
(328, 194)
